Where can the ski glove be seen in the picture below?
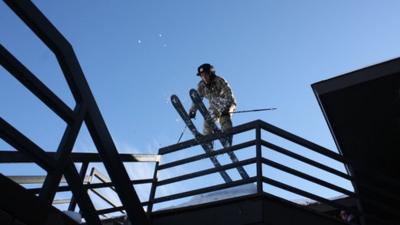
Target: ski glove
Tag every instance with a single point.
(192, 114)
(225, 110)
(221, 106)
(215, 114)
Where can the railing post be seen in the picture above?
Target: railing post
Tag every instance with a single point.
(259, 160)
(153, 189)
(82, 174)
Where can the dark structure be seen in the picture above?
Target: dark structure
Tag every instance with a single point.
(362, 109)
(259, 207)
(88, 180)
(86, 110)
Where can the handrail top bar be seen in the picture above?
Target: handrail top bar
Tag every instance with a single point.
(19, 157)
(37, 179)
(192, 142)
(253, 125)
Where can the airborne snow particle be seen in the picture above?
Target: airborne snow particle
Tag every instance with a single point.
(139, 41)
(160, 35)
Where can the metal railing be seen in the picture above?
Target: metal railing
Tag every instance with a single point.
(12, 157)
(258, 160)
(85, 111)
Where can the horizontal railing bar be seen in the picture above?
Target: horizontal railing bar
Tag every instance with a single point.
(304, 193)
(110, 184)
(94, 157)
(77, 157)
(65, 188)
(36, 179)
(177, 147)
(115, 209)
(61, 201)
(206, 155)
(206, 172)
(32, 83)
(308, 177)
(305, 160)
(110, 210)
(59, 189)
(301, 141)
(234, 130)
(205, 190)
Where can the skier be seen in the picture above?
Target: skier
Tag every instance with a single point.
(220, 97)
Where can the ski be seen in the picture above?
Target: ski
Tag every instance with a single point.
(185, 117)
(194, 95)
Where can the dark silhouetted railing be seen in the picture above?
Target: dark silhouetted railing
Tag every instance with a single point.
(85, 159)
(259, 160)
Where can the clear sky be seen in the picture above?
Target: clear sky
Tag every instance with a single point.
(136, 54)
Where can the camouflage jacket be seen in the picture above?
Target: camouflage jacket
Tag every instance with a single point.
(218, 93)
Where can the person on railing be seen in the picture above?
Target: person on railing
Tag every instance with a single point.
(220, 97)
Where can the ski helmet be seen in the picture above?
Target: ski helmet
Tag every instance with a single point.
(205, 67)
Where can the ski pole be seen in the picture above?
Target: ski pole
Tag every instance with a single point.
(254, 110)
(184, 129)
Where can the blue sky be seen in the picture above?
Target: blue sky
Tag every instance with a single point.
(135, 54)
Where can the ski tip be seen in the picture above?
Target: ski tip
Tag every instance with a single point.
(174, 98)
(193, 92)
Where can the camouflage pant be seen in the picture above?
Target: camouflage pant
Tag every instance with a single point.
(225, 121)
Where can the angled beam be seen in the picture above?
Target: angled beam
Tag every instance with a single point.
(69, 64)
(114, 166)
(82, 175)
(211, 137)
(33, 84)
(51, 37)
(105, 198)
(53, 178)
(80, 194)
(20, 142)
